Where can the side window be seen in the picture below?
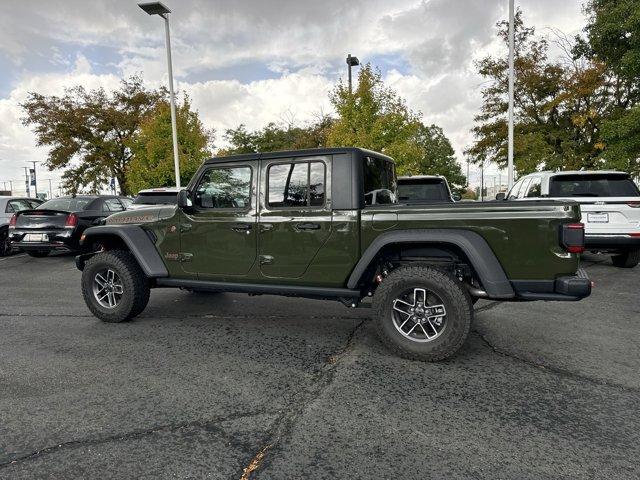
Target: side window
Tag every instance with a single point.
(112, 205)
(535, 188)
(515, 189)
(296, 185)
(224, 187)
(380, 187)
(523, 188)
(126, 202)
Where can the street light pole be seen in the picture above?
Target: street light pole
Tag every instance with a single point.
(26, 180)
(511, 75)
(157, 8)
(351, 62)
(35, 179)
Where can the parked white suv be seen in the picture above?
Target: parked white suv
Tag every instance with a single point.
(610, 205)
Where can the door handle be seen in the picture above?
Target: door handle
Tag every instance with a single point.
(241, 227)
(308, 226)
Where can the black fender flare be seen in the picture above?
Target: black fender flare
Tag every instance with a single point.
(482, 259)
(138, 242)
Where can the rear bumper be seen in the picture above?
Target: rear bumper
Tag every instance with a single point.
(611, 241)
(56, 239)
(568, 288)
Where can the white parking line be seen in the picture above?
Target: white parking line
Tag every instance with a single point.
(15, 256)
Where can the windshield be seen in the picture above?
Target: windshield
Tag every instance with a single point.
(423, 190)
(592, 186)
(156, 198)
(65, 204)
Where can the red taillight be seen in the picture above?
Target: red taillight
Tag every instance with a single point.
(634, 204)
(14, 220)
(572, 237)
(634, 234)
(72, 220)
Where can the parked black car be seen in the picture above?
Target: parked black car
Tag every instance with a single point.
(58, 223)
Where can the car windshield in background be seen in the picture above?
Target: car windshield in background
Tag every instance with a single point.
(592, 186)
(66, 204)
(156, 198)
(379, 182)
(423, 191)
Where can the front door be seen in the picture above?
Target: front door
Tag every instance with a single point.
(218, 233)
(295, 216)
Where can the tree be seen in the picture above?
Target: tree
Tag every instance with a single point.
(558, 106)
(152, 164)
(437, 156)
(89, 132)
(276, 137)
(375, 117)
(612, 33)
(569, 113)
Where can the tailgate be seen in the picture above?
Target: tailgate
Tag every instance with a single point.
(611, 215)
(41, 219)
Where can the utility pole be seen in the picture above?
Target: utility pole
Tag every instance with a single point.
(511, 75)
(351, 62)
(50, 190)
(468, 162)
(35, 178)
(26, 180)
(482, 182)
(157, 8)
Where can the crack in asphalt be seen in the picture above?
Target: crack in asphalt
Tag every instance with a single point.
(554, 370)
(484, 308)
(204, 315)
(298, 403)
(210, 425)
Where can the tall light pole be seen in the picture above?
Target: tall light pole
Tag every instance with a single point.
(511, 75)
(157, 8)
(35, 178)
(351, 62)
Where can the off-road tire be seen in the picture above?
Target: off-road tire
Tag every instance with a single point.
(454, 296)
(627, 259)
(135, 285)
(38, 253)
(5, 247)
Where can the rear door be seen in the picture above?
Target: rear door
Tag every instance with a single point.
(295, 215)
(218, 233)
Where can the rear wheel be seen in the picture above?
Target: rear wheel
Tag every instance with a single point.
(114, 286)
(627, 259)
(38, 253)
(422, 313)
(5, 245)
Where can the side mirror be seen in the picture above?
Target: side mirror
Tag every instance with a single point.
(500, 196)
(183, 199)
(456, 196)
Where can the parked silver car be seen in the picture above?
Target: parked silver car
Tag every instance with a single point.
(9, 206)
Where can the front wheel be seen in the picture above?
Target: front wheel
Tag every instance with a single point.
(422, 313)
(627, 259)
(114, 286)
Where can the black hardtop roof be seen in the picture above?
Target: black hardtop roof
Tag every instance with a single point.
(297, 153)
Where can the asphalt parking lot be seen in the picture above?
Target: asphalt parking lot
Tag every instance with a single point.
(225, 386)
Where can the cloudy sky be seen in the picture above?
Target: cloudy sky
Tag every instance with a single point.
(255, 61)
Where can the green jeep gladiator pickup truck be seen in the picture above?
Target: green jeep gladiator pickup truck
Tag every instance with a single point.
(326, 224)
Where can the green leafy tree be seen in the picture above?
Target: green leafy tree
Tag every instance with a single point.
(276, 137)
(437, 157)
(558, 106)
(152, 147)
(89, 133)
(613, 38)
(375, 117)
